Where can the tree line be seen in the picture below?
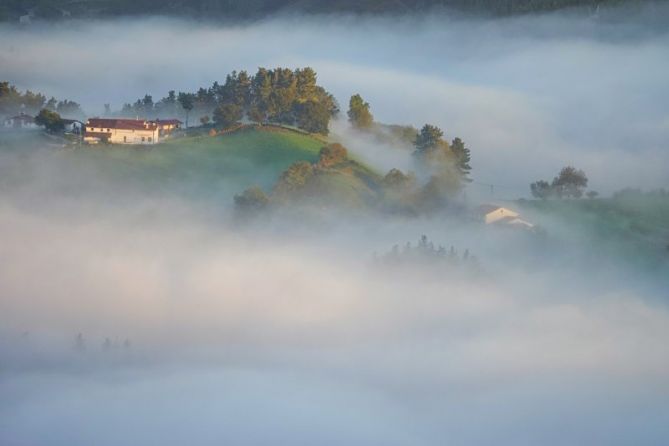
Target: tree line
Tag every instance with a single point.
(278, 96)
(13, 101)
(570, 183)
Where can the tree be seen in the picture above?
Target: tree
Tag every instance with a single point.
(50, 120)
(228, 115)
(306, 84)
(592, 194)
(242, 90)
(261, 88)
(147, 105)
(187, 101)
(314, 116)
(331, 155)
(462, 158)
(252, 199)
(294, 178)
(51, 104)
(69, 109)
(570, 183)
(541, 189)
(358, 113)
(283, 95)
(204, 120)
(396, 179)
(428, 139)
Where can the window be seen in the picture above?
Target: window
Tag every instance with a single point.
(125, 139)
(142, 139)
(109, 130)
(149, 139)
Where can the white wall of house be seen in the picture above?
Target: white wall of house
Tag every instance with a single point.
(19, 124)
(498, 214)
(123, 136)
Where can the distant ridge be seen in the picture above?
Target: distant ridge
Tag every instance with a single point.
(28, 10)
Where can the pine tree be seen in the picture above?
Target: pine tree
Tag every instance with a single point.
(462, 158)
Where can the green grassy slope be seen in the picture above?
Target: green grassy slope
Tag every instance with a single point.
(636, 228)
(205, 163)
(350, 185)
(198, 167)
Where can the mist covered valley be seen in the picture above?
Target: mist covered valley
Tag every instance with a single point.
(138, 305)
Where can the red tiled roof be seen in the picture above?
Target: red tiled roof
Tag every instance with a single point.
(124, 124)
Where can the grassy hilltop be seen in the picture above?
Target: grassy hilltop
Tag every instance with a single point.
(630, 225)
(205, 165)
(197, 166)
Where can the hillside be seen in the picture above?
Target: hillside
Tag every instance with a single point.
(236, 9)
(200, 167)
(635, 226)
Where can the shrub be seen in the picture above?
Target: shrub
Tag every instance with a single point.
(331, 155)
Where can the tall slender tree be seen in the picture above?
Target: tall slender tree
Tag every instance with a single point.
(462, 158)
(358, 113)
(187, 101)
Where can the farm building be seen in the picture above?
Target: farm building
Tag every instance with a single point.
(121, 131)
(21, 121)
(167, 126)
(493, 214)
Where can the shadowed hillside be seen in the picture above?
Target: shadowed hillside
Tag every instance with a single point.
(225, 9)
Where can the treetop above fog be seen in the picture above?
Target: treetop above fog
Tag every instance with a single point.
(280, 95)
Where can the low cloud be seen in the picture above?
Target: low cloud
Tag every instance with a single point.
(198, 327)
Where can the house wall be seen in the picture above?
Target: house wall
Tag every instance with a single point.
(19, 124)
(123, 136)
(499, 214)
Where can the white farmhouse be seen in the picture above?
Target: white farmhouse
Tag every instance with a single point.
(121, 131)
(493, 214)
(20, 122)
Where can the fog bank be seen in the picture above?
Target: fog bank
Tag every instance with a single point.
(136, 306)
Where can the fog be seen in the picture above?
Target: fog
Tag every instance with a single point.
(198, 327)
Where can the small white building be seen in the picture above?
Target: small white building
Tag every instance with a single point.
(121, 131)
(20, 122)
(498, 215)
(492, 213)
(73, 126)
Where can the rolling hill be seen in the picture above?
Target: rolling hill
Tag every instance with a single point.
(203, 165)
